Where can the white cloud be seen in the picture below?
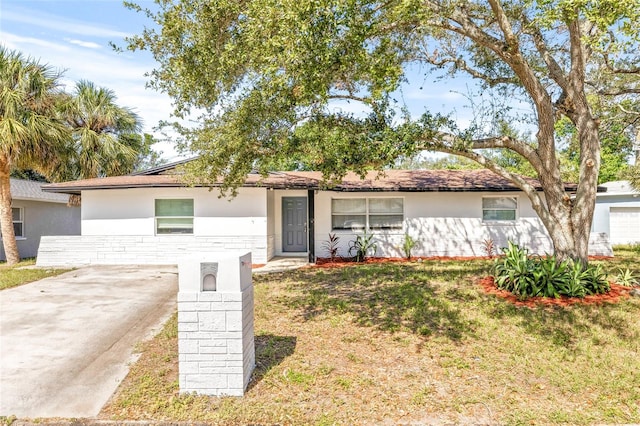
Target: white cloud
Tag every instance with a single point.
(59, 24)
(87, 44)
(16, 42)
(123, 74)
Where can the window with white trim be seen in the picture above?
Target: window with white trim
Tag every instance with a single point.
(17, 217)
(367, 213)
(174, 216)
(499, 209)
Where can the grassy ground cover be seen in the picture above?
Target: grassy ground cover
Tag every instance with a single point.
(411, 343)
(11, 276)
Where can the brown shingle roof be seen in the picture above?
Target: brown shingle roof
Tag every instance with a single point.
(390, 180)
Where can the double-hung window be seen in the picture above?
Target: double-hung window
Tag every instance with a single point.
(17, 214)
(502, 209)
(174, 216)
(367, 213)
(17, 217)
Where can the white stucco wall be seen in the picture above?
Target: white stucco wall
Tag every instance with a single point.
(132, 211)
(271, 224)
(118, 227)
(444, 224)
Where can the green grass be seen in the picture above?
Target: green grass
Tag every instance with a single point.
(410, 343)
(12, 276)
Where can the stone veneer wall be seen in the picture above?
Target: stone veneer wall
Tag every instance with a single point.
(216, 349)
(215, 342)
(81, 250)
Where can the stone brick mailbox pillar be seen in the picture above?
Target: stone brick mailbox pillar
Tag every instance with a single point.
(215, 325)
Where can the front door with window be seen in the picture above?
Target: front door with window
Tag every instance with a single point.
(294, 224)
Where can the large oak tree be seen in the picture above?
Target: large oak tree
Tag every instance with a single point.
(263, 75)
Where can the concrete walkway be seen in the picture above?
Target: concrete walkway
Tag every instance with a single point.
(66, 341)
(282, 263)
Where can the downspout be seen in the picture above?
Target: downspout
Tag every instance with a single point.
(311, 228)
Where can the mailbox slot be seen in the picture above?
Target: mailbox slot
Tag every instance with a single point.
(209, 276)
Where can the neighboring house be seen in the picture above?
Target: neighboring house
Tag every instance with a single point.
(36, 213)
(618, 213)
(153, 218)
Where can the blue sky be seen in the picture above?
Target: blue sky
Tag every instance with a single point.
(74, 35)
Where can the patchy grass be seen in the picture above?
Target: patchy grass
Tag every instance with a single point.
(409, 343)
(12, 276)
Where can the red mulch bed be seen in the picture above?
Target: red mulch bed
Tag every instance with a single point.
(325, 262)
(614, 295)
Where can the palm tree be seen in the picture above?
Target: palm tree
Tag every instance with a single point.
(104, 135)
(31, 135)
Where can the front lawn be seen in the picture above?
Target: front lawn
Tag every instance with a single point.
(12, 276)
(409, 343)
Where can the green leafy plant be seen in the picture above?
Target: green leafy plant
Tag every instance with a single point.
(626, 278)
(331, 246)
(594, 279)
(550, 276)
(362, 246)
(547, 276)
(407, 245)
(514, 272)
(574, 287)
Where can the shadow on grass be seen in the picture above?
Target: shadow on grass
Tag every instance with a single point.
(568, 326)
(271, 350)
(389, 296)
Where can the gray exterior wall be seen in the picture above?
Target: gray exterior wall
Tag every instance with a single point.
(44, 218)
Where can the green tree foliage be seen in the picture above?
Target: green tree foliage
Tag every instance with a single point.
(104, 134)
(31, 133)
(28, 174)
(146, 157)
(46, 133)
(265, 75)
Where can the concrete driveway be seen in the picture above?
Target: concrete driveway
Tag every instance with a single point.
(66, 341)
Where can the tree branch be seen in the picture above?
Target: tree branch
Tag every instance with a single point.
(621, 91)
(505, 142)
(364, 100)
(616, 70)
(555, 70)
(627, 111)
(536, 200)
(462, 64)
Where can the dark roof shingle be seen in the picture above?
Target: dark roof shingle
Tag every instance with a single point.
(389, 180)
(31, 190)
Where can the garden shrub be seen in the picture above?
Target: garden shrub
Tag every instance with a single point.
(362, 246)
(547, 276)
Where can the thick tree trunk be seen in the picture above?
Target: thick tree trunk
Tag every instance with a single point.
(6, 218)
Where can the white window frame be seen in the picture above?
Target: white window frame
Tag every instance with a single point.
(501, 221)
(367, 214)
(20, 236)
(156, 217)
